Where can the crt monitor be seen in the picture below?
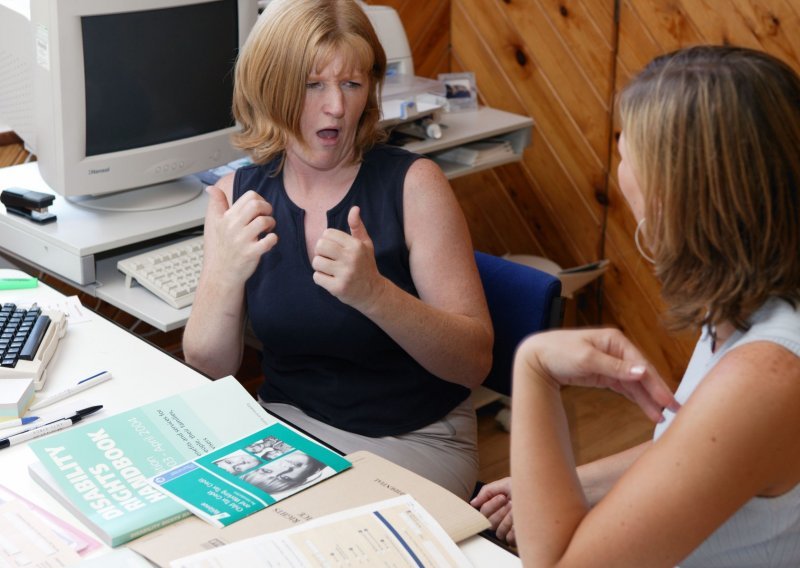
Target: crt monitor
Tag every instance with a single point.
(115, 95)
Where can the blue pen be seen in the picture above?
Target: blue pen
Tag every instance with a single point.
(18, 422)
(81, 385)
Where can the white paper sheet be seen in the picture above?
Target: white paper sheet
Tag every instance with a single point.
(397, 532)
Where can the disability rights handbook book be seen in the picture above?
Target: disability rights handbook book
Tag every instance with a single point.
(100, 470)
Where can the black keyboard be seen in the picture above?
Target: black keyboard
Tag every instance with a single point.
(21, 332)
(28, 339)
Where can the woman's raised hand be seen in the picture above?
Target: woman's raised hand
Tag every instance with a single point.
(601, 358)
(237, 235)
(345, 264)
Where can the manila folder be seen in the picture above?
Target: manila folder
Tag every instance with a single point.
(371, 479)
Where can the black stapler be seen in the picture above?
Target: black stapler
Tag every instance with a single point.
(28, 203)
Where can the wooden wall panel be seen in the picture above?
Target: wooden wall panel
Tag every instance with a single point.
(493, 40)
(495, 194)
(562, 62)
(528, 58)
(646, 29)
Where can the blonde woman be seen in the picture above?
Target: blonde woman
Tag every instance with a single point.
(351, 259)
(710, 168)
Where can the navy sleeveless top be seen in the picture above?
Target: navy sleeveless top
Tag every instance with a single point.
(320, 354)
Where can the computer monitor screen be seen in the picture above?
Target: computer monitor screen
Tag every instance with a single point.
(174, 84)
(126, 94)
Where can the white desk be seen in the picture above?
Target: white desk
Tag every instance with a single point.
(141, 373)
(82, 247)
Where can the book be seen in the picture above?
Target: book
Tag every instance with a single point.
(99, 470)
(393, 532)
(478, 153)
(248, 475)
(370, 479)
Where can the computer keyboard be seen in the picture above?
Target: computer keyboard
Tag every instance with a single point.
(28, 340)
(170, 272)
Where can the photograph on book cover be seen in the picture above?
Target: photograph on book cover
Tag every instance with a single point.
(250, 474)
(269, 447)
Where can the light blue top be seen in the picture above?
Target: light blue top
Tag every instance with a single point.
(765, 532)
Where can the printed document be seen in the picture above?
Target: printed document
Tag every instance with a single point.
(397, 532)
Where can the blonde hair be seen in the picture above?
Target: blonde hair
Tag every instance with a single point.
(713, 135)
(292, 39)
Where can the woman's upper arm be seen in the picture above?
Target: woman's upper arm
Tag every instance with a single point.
(440, 248)
(737, 437)
(213, 342)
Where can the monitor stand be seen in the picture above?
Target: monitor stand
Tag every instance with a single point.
(148, 198)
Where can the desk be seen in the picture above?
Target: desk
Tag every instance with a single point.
(141, 373)
(83, 246)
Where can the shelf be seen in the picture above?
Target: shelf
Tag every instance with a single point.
(461, 128)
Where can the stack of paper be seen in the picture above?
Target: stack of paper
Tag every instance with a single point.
(15, 397)
(32, 536)
(478, 153)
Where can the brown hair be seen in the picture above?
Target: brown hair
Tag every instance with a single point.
(291, 39)
(713, 134)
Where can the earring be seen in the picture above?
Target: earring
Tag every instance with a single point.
(646, 256)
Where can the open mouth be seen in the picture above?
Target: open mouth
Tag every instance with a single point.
(328, 133)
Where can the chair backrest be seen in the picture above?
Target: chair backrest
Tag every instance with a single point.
(522, 300)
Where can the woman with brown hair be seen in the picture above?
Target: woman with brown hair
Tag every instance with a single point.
(711, 159)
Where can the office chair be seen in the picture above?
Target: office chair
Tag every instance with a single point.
(522, 300)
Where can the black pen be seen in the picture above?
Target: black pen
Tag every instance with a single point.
(48, 428)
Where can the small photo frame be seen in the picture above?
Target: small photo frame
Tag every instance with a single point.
(460, 91)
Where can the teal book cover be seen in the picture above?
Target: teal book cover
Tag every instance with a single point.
(250, 474)
(100, 470)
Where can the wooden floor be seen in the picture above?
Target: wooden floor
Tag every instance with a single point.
(601, 423)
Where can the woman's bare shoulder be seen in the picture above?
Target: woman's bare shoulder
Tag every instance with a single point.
(748, 402)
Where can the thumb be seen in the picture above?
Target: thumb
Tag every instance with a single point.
(217, 202)
(357, 228)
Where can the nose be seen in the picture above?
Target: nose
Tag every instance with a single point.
(334, 101)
